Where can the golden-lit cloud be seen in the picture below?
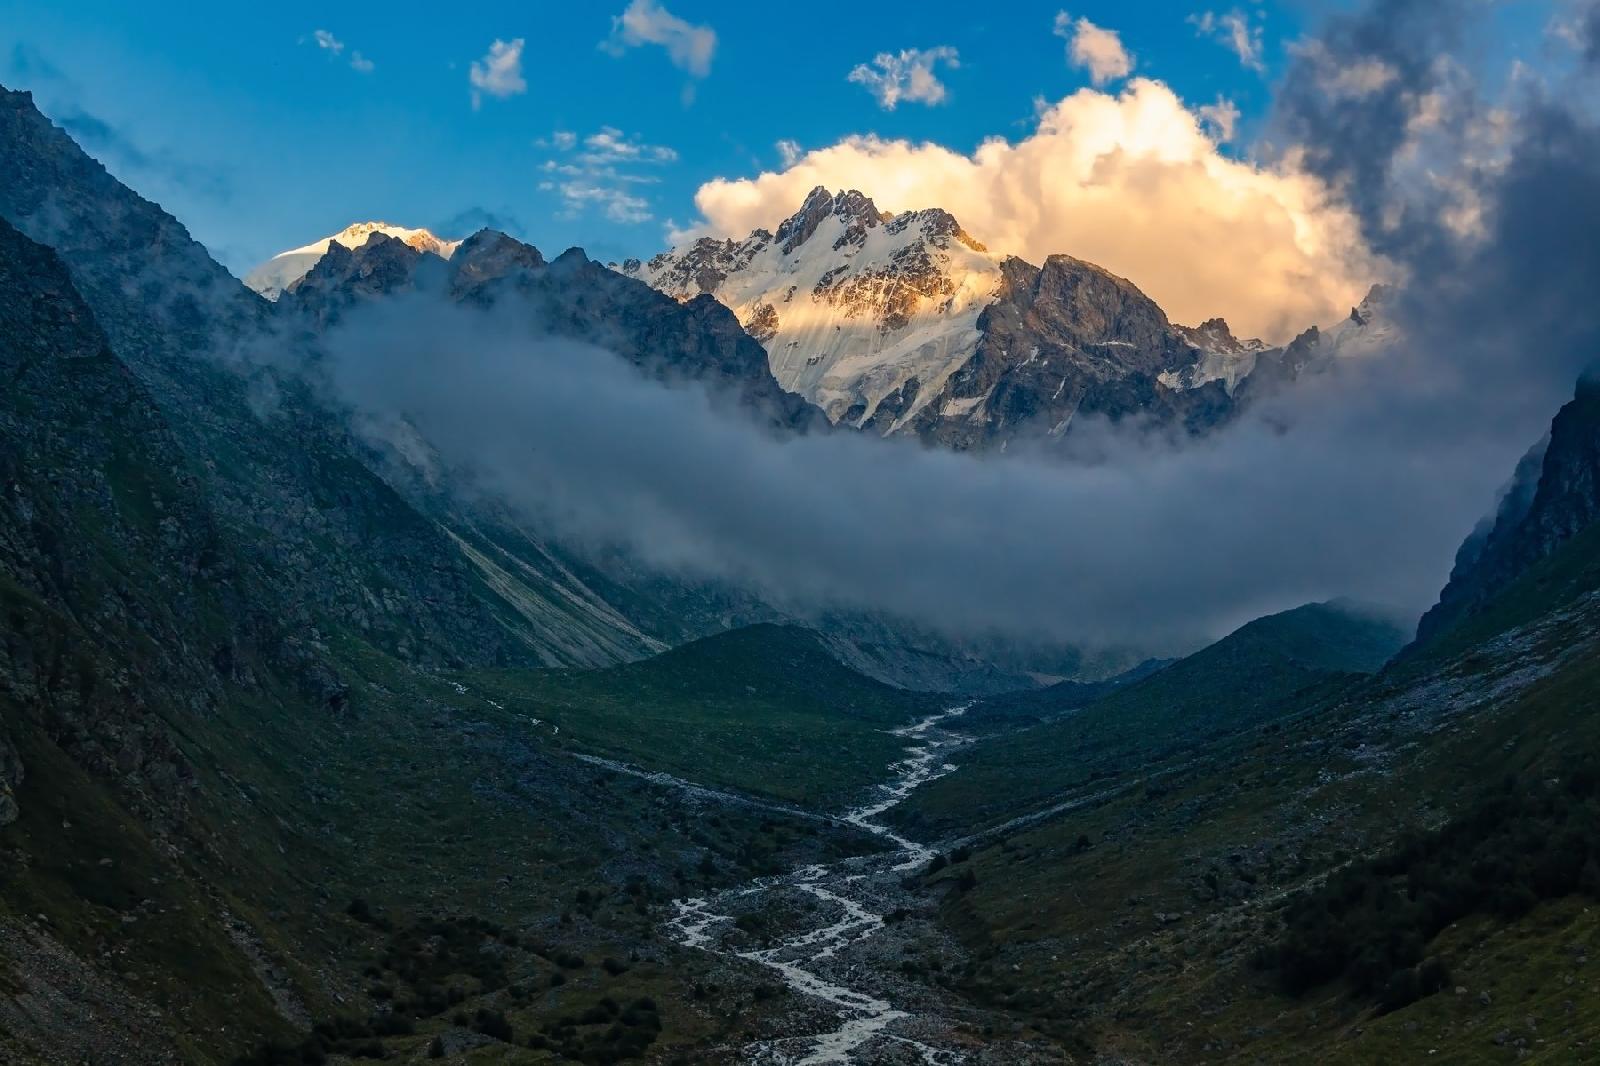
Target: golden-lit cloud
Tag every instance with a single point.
(1134, 181)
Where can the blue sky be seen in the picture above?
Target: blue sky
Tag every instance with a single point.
(259, 139)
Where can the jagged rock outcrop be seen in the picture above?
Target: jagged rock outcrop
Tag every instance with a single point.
(283, 271)
(1554, 496)
(1061, 340)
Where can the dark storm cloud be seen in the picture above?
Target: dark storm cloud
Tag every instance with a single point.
(1486, 207)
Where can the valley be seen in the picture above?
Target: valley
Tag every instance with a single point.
(833, 639)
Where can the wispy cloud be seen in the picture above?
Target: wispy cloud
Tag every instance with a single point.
(618, 204)
(909, 75)
(645, 22)
(1094, 48)
(610, 146)
(326, 41)
(604, 171)
(1234, 31)
(499, 72)
(1344, 77)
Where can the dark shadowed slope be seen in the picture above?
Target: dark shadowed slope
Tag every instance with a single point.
(1268, 668)
(1554, 497)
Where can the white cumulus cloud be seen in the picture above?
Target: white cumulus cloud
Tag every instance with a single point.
(643, 22)
(1094, 48)
(1132, 181)
(499, 72)
(908, 75)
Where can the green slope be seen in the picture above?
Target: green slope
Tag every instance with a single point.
(1273, 666)
(766, 709)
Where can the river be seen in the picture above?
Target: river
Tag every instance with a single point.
(843, 905)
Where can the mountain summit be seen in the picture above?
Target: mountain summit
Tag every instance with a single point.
(272, 278)
(851, 302)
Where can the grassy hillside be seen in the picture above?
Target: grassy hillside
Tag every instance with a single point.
(765, 709)
(1150, 921)
(1275, 666)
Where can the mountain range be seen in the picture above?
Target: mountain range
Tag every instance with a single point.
(906, 325)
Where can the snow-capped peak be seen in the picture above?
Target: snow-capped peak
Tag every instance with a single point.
(1369, 329)
(1223, 357)
(851, 302)
(277, 274)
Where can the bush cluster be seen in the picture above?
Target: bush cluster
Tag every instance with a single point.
(1523, 842)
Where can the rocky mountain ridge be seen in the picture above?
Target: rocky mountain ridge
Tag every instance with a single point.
(850, 302)
(571, 296)
(284, 270)
(906, 325)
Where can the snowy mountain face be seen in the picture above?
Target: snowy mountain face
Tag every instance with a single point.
(850, 302)
(1368, 330)
(1223, 357)
(272, 278)
(904, 324)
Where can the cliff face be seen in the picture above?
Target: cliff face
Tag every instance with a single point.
(1554, 496)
